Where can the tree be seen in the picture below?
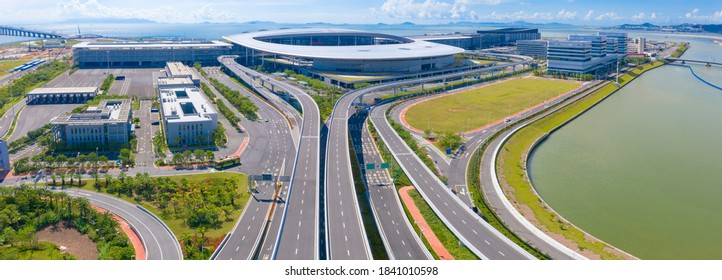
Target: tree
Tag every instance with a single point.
(187, 155)
(49, 160)
(209, 156)
(199, 155)
(96, 184)
(62, 179)
(61, 159)
(177, 158)
(9, 236)
(103, 160)
(450, 140)
(80, 179)
(427, 133)
(126, 157)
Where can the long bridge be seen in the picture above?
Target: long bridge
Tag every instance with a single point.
(685, 61)
(16, 31)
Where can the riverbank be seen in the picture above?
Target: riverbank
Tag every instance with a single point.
(514, 179)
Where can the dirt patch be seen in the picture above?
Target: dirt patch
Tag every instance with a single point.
(75, 243)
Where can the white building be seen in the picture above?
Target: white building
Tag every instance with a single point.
(107, 123)
(188, 118)
(180, 71)
(641, 45)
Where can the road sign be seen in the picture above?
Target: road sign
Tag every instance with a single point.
(448, 151)
(266, 177)
(385, 165)
(370, 166)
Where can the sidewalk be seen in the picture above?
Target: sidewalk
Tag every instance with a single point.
(436, 245)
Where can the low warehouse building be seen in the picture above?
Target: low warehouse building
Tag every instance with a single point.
(60, 95)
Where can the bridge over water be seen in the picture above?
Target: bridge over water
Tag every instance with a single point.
(17, 31)
(685, 61)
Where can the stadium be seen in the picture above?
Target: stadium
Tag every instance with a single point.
(342, 51)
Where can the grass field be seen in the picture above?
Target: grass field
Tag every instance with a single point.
(476, 108)
(512, 166)
(46, 251)
(6, 65)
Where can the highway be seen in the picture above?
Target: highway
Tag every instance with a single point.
(270, 147)
(298, 237)
(474, 233)
(345, 232)
(455, 170)
(159, 242)
(399, 237)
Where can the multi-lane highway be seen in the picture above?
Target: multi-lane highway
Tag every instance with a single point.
(400, 240)
(270, 147)
(298, 237)
(346, 234)
(159, 242)
(477, 235)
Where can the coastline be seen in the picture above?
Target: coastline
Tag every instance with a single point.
(549, 220)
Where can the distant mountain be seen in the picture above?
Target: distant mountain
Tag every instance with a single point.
(107, 20)
(408, 23)
(260, 22)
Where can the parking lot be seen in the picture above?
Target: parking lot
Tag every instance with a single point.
(137, 82)
(33, 117)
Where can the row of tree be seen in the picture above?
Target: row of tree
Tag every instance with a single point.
(107, 83)
(225, 111)
(42, 161)
(25, 210)
(194, 157)
(242, 103)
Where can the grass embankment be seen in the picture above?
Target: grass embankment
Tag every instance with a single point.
(6, 65)
(12, 126)
(512, 171)
(212, 210)
(478, 107)
(449, 240)
(372, 232)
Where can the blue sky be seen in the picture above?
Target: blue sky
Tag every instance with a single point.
(583, 12)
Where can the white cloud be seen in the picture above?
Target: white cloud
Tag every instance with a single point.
(608, 16)
(564, 14)
(695, 15)
(653, 16)
(639, 16)
(589, 15)
(428, 9)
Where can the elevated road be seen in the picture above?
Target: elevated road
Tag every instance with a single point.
(399, 237)
(477, 235)
(269, 148)
(298, 237)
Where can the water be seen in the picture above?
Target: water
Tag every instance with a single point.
(13, 39)
(641, 171)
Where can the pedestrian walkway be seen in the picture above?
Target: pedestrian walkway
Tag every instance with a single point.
(436, 245)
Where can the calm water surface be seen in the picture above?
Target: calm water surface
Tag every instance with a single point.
(643, 169)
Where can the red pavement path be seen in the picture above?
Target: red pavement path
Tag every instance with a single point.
(407, 125)
(436, 245)
(134, 238)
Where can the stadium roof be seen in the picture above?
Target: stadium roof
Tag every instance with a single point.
(410, 49)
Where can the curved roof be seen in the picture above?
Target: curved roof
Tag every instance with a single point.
(410, 50)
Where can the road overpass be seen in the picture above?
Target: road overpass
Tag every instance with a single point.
(685, 61)
(22, 32)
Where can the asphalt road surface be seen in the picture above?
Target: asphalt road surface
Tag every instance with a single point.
(477, 235)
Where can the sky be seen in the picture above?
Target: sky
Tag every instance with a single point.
(580, 12)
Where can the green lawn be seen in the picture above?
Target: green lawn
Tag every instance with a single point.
(6, 65)
(482, 61)
(512, 165)
(476, 108)
(46, 251)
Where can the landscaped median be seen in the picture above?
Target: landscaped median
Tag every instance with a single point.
(513, 177)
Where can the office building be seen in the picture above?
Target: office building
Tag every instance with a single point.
(107, 123)
(4, 157)
(148, 53)
(484, 39)
(188, 118)
(641, 45)
(533, 48)
(621, 38)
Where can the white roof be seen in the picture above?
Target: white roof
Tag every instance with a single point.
(172, 110)
(151, 44)
(412, 49)
(61, 90)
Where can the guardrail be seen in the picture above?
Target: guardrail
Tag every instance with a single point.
(220, 246)
(180, 251)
